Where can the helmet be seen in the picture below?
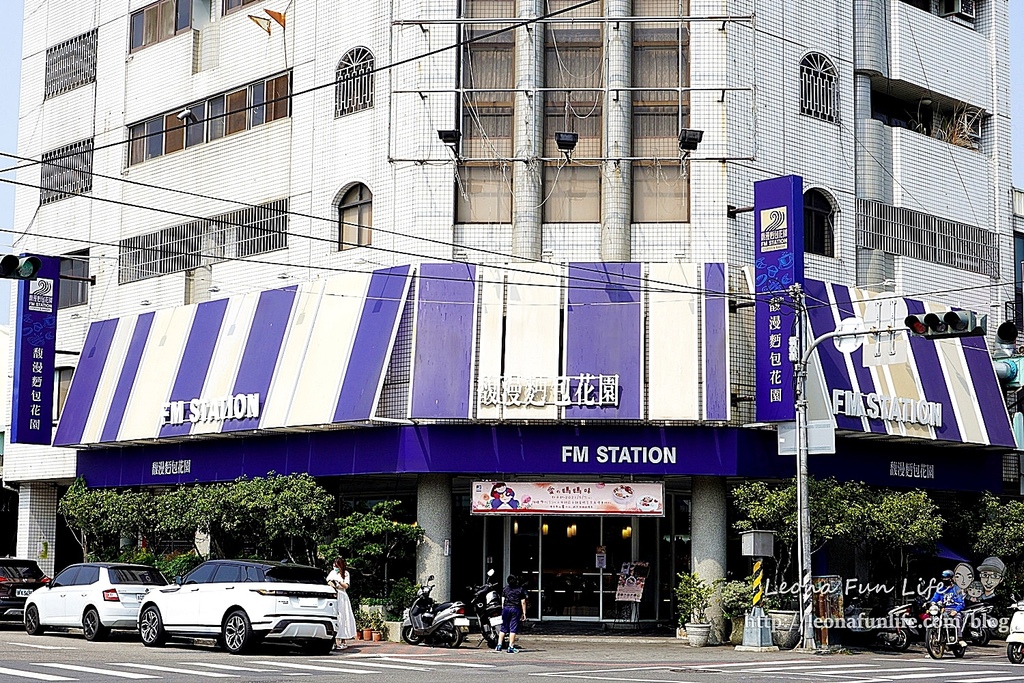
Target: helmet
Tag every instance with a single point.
(947, 574)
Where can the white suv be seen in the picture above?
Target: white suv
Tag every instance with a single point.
(243, 602)
(96, 596)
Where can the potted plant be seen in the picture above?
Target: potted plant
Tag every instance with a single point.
(379, 629)
(693, 596)
(736, 600)
(364, 625)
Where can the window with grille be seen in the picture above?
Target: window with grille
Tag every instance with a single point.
(74, 292)
(70, 64)
(223, 114)
(354, 82)
(355, 218)
(242, 233)
(818, 82)
(819, 223)
(159, 21)
(66, 171)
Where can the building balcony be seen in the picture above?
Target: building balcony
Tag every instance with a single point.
(939, 55)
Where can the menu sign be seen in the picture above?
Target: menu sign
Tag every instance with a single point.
(632, 577)
(600, 498)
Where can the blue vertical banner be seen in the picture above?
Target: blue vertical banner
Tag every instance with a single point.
(778, 264)
(35, 347)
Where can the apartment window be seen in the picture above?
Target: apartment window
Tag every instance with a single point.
(483, 190)
(160, 21)
(819, 223)
(224, 114)
(70, 64)
(818, 80)
(354, 76)
(74, 292)
(232, 5)
(242, 233)
(66, 171)
(61, 385)
(355, 218)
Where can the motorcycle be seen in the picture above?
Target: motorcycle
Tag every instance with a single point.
(426, 622)
(1015, 641)
(979, 624)
(940, 633)
(895, 630)
(486, 604)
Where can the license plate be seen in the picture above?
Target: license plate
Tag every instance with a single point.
(22, 592)
(462, 621)
(495, 621)
(309, 602)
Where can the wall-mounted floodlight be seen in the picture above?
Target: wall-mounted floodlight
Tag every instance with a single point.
(449, 137)
(689, 139)
(566, 141)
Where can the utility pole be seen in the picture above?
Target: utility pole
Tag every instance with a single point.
(799, 356)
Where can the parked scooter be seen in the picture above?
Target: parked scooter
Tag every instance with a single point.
(486, 604)
(425, 622)
(896, 629)
(979, 624)
(1015, 641)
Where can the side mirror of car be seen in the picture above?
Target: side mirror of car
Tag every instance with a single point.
(179, 580)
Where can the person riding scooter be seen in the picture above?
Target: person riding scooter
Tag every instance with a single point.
(951, 599)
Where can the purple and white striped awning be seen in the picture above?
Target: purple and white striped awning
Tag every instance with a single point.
(619, 341)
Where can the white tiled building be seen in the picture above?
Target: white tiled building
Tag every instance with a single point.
(898, 121)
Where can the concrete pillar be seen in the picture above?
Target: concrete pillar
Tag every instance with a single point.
(434, 515)
(37, 523)
(708, 529)
(529, 134)
(617, 183)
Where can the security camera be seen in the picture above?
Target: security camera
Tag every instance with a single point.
(186, 116)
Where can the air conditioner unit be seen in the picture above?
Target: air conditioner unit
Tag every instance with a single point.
(965, 9)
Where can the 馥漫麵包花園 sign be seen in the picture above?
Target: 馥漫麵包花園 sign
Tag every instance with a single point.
(889, 408)
(165, 467)
(237, 407)
(570, 390)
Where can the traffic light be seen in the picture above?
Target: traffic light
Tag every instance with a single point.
(947, 325)
(19, 267)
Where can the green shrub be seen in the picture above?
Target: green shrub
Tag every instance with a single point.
(737, 598)
(403, 592)
(693, 595)
(178, 565)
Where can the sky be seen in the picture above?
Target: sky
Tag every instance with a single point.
(10, 72)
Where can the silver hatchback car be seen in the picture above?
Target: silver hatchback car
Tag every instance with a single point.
(94, 596)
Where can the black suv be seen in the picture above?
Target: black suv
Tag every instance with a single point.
(18, 578)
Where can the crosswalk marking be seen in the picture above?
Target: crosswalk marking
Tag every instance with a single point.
(378, 665)
(43, 647)
(815, 668)
(229, 667)
(735, 664)
(989, 680)
(941, 674)
(415, 661)
(313, 667)
(93, 670)
(873, 671)
(173, 670)
(34, 675)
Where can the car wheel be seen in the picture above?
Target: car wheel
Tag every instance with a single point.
(151, 627)
(237, 632)
(32, 625)
(318, 647)
(92, 628)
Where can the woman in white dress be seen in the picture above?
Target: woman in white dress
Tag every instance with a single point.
(339, 580)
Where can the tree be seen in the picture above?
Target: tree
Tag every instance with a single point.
(897, 522)
(86, 511)
(371, 542)
(1001, 534)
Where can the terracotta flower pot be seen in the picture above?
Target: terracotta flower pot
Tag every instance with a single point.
(376, 636)
(367, 634)
(359, 635)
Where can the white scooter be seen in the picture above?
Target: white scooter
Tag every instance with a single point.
(1015, 641)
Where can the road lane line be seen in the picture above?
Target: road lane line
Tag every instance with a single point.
(43, 647)
(312, 667)
(34, 675)
(613, 678)
(416, 661)
(988, 680)
(93, 670)
(735, 664)
(173, 670)
(810, 669)
(908, 677)
(229, 667)
(376, 664)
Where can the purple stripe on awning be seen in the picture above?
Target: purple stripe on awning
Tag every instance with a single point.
(933, 381)
(445, 322)
(603, 334)
(78, 404)
(990, 396)
(867, 385)
(126, 381)
(195, 361)
(716, 343)
(259, 360)
(367, 362)
(819, 311)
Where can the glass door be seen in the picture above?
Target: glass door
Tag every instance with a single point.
(570, 581)
(524, 558)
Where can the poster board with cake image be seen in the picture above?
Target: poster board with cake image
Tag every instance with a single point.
(632, 577)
